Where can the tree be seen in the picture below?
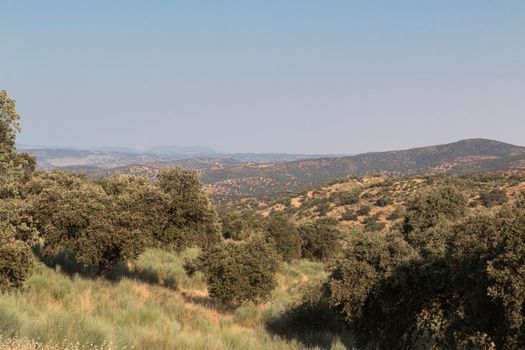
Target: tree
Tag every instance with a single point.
(141, 205)
(320, 239)
(239, 225)
(191, 217)
(16, 230)
(281, 232)
(14, 167)
(430, 206)
(16, 235)
(239, 272)
(367, 260)
(75, 214)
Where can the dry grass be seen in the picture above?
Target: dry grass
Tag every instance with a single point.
(57, 311)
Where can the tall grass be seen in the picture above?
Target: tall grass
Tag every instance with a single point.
(153, 305)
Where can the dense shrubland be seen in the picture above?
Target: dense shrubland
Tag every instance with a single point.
(443, 281)
(434, 263)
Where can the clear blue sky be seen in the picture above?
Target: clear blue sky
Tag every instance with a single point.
(267, 76)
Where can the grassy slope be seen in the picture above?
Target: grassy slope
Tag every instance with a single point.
(160, 307)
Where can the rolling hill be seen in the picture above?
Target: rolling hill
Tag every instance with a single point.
(243, 179)
(249, 181)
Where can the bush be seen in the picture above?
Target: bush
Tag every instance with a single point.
(383, 202)
(239, 272)
(238, 225)
(471, 296)
(16, 259)
(349, 215)
(323, 208)
(16, 230)
(367, 260)
(78, 215)
(363, 210)
(372, 224)
(430, 206)
(320, 239)
(345, 197)
(283, 234)
(191, 217)
(493, 198)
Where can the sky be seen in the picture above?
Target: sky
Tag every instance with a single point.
(294, 76)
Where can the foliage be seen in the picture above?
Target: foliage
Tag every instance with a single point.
(349, 215)
(345, 197)
(320, 239)
(367, 260)
(191, 217)
(240, 272)
(430, 206)
(16, 258)
(238, 225)
(383, 202)
(493, 197)
(363, 210)
(283, 234)
(398, 213)
(468, 292)
(16, 230)
(372, 224)
(75, 214)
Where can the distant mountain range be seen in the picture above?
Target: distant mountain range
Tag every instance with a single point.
(245, 178)
(104, 158)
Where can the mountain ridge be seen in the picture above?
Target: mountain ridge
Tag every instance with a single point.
(243, 180)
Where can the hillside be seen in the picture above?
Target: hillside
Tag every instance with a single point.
(376, 203)
(248, 179)
(256, 181)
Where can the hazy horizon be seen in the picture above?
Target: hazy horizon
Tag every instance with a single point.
(306, 77)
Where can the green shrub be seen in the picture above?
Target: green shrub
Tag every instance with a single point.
(349, 215)
(430, 206)
(493, 198)
(16, 259)
(237, 225)
(16, 230)
(367, 260)
(191, 217)
(372, 224)
(363, 210)
(75, 214)
(283, 234)
(345, 197)
(383, 202)
(320, 239)
(239, 272)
